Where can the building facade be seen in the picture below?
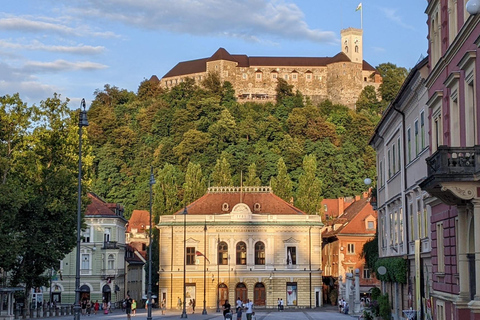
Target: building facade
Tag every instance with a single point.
(401, 143)
(241, 242)
(343, 240)
(102, 257)
(454, 165)
(340, 78)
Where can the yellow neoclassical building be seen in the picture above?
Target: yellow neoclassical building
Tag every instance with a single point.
(241, 242)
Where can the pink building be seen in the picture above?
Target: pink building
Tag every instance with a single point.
(453, 178)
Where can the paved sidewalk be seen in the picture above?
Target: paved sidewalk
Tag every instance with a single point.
(323, 313)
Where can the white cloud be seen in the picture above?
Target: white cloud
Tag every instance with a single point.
(61, 65)
(36, 45)
(249, 19)
(392, 15)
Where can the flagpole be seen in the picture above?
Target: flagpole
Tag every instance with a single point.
(361, 17)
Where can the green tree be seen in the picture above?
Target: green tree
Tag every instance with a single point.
(393, 78)
(282, 184)
(368, 101)
(42, 191)
(309, 187)
(222, 173)
(167, 197)
(283, 90)
(194, 186)
(252, 178)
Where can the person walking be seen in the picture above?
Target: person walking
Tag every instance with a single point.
(278, 304)
(164, 306)
(193, 306)
(249, 309)
(226, 309)
(134, 307)
(96, 307)
(281, 304)
(179, 304)
(128, 306)
(239, 309)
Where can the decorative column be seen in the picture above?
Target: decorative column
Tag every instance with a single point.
(476, 218)
(462, 265)
(350, 287)
(357, 291)
(341, 290)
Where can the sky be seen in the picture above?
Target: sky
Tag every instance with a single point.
(75, 47)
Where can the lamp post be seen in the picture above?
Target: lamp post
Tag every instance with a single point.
(204, 268)
(149, 309)
(184, 312)
(82, 122)
(218, 276)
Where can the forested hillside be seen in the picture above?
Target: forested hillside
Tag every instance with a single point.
(195, 137)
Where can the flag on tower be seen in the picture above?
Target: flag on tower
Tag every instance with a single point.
(359, 7)
(198, 253)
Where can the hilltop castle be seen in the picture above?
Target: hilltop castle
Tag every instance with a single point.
(340, 78)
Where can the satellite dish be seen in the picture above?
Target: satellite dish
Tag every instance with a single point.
(382, 270)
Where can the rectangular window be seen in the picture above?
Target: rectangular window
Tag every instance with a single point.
(309, 76)
(294, 76)
(416, 138)
(85, 261)
(291, 294)
(190, 256)
(259, 76)
(399, 154)
(393, 160)
(400, 221)
(412, 226)
(470, 114)
(86, 235)
(440, 249)
(274, 75)
(366, 273)
(381, 174)
(389, 165)
(292, 255)
(351, 248)
(422, 130)
(244, 76)
(370, 225)
(425, 220)
(409, 145)
(419, 220)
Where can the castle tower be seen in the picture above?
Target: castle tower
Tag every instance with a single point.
(352, 44)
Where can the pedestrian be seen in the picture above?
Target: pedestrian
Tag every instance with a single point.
(239, 304)
(340, 305)
(96, 306)
(278, 304)
(253, 316)
(84, 307)
(179, 303)
(281, 304)
(227, 310)
(128, 306)
(89, 308)
(249, 309)
(134, 307)
(193, 306)
(239, 309)
(109, 306)
(163, 306)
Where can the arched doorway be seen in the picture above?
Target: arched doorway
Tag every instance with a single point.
(259, 294)
(241, 292)
(223, 293)
(84, 293)
(106, 293)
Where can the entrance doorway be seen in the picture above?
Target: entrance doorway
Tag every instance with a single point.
(259, 294)
(84, 293)
(241, 292)
(106, 293)
(223, 293)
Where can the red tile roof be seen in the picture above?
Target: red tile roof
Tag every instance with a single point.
(139, 220)
(99, 207)
(268, 203)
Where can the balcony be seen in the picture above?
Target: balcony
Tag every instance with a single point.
(452, 172)
(110, 245)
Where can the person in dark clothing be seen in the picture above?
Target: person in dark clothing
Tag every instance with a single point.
(226, 309)
(128, 306)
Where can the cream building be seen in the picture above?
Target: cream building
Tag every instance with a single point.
(241, 242)
(340, 78)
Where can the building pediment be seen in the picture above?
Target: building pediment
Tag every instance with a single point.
(291, 240)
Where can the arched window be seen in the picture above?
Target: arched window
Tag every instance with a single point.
(241, 253)
(259, 253)
(223, 253)
(356, 49)
(346, 49)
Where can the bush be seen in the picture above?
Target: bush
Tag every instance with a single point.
(384, 307)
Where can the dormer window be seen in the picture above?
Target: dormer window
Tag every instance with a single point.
(256, 207)
(225, 207)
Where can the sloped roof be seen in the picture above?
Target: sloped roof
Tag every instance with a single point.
(213, 202)
(133, 256)
(200, 65)
(353, 219)
(139, 220)
(99, 207)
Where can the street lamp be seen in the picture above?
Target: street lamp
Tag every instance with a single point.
(82, 122)
(184, 312)
(204, 268)
(149, 309)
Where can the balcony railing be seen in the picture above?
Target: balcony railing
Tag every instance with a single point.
(455, 163)
(110, 245)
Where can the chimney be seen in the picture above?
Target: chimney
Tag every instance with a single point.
(357, 198)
